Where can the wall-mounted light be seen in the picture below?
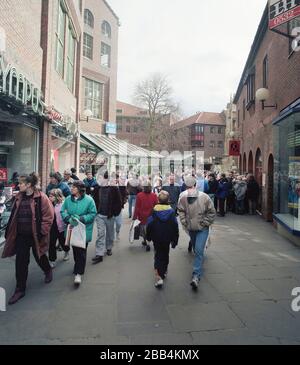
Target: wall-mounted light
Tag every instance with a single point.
(87, 113)
(263, 95)
(232, 134)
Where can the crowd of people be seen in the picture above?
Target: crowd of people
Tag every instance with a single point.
(40, 221)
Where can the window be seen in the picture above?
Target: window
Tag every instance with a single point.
(244, 109)
(60, 40)
(135, 129)
(94, 97)
(220, 144)
(212, 130)
(220, 130)
(88, 18)
(238, 119)
(250, 90)
(119, 127)
(88, 46)
(128, 128)
(106, 29)
(265, 72)
(70, 59)
(119, 111)
(105, 55)
(212, 144)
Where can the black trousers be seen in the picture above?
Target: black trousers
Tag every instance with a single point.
(54, 236)
(80, 260)
(221, 206)
(23, 245)
(161, 258)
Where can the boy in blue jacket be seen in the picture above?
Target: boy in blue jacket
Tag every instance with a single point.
(162, 229)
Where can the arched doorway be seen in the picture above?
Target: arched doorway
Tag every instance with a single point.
(270, 188)
(250, 163)
(244, 163)
(258, 176)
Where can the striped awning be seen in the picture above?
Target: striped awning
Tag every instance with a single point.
(117, 147)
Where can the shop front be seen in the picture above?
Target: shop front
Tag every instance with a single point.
(287, 172)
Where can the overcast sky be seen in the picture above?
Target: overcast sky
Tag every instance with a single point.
(201, 45)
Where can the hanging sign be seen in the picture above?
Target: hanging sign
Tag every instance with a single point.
(234, 148)
(282, 11)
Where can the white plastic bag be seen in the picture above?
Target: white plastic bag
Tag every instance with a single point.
(131, 230)
(78, 236)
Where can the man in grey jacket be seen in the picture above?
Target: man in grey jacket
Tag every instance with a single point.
(197, 213)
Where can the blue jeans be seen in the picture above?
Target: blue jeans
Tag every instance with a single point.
(199, 240)
(239, 206)
(118, 221)
(131, 202)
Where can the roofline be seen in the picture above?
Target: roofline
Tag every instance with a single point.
(113, 13)
(261, 31)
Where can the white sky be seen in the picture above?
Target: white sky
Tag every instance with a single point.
(201, 45)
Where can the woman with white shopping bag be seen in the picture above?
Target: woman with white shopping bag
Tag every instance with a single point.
(79, 212)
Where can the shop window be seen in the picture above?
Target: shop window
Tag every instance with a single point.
(105, 55)
(287, 172)
(88, 46)
(94, 97)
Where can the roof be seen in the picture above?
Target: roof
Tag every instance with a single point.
(115, 146)
(129, 110)
(204, 118)
(261, 31)
(113, 13)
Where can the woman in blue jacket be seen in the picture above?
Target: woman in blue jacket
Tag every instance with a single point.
(222, 194)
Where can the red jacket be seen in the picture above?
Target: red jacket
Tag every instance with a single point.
(144, 206)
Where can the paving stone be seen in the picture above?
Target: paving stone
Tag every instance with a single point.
(276, 288)
(163, 339)
(134, 329)
(231, 283)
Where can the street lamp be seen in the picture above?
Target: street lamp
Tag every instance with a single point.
(262, 95)
(87, 113)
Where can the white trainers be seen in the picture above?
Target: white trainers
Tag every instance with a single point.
(77, 280)
(118, 237)
(52, 264)
(66, 256)
(159, 283)
(195, 282)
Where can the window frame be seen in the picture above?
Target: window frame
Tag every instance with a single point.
(88, 48)
(88, 18)
(60, 39)
(250, 90)
(107, 46)
(90, 102)
(70, 59)
(266, 72)
(106, 26)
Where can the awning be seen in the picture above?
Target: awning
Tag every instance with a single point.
(117, 147)
(292, 109)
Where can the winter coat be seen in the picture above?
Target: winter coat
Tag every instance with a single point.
(62, 186)
(144, 206)
(223, 189)
(213, 186)
(174, 193)
(162, 226)
(114, 200)
(92, 183)
(196, 211)
(133, 187)
(42, 219)
(252, 190)
(240, 189)
(59, 221)
(123, 192)
(202, 185)
(85, 208)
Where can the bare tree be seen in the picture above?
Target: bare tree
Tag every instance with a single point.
(155, 94)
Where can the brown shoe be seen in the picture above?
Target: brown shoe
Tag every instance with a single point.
(48, 277)
(18, 294)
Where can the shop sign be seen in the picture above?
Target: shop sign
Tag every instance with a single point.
(111, 128)
(234, 148)
(15, 84)
(3, 174)
(282, 11)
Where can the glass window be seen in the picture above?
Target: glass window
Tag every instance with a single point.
(287, 172)
(220, 144)
(71, 59)
(220, 130)
(212, 144)
(212, 130)
(106, 29)
(88, 46)
(265, 72)
(88, 18)
(128, 129)
(293, 25)
(94, 97)
(250, 90)
(60, 40)
(105, 54)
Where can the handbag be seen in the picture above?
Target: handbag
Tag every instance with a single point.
(134, 232)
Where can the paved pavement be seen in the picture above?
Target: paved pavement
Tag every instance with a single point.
(244, 297)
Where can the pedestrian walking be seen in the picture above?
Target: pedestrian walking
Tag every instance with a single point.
(79, 207)
(109, 205)
(240, 190)
(133, 188)
(174, 191)
(213, 188)
(197, 214)
(162, 230)
(28, 228)
(57, 183)
(145, 203)
(222, 194)
(158, 187)
(90, 183)
(57, 232)
(252, 194)
(123, 191)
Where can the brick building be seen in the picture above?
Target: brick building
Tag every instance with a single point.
(205, 132)
(268, 132)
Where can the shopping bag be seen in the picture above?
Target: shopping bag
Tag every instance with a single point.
(68, 235)
(132, 231)
(78, 236)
